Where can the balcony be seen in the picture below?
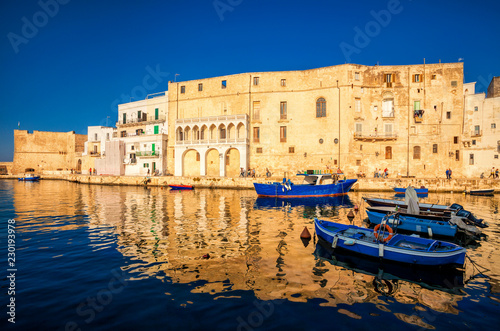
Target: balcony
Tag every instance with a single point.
(140, 121)
(148, 154)
(476, 133)
(213, 141)
(95, 154)
(375, 136)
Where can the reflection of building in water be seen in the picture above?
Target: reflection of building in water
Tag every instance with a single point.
(167, 232)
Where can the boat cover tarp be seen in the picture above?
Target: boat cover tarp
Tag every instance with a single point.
(411, 200)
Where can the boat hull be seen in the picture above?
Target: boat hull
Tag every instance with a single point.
(416, 224)
(299, 190)
(482, 192)
(29, 179)
(181, 187)
(401, 248)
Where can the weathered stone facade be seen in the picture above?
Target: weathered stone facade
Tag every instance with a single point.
(359, 118)
(47, 151)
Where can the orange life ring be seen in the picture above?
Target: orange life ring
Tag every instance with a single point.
(388, 228)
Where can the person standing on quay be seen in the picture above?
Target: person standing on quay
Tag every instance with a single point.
(447, 174)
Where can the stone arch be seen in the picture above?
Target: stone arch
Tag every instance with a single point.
(191, 163)
(213, 162)
(231, 131)
(196, 133)
(213, 132)
(222, 132)
(241, 131)
(79, 165)
(187, 133)
(179, 134)
(204, 132)
(232, 159)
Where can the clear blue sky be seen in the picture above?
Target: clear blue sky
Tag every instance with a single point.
(66, 67)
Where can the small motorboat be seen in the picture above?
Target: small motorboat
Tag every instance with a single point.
(481, 192)
(180, 187)
(314, 185)
(29, 178)
(382, 243)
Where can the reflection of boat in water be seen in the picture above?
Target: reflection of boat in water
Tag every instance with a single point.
(270, 202)
(387, 274)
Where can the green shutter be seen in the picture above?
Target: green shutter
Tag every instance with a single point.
(153, 149)
(124, 118)
(156, 129)
(156, 113)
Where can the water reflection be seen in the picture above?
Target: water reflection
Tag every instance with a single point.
(253, 243)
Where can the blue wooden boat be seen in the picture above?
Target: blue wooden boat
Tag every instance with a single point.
(428, 223)
(29, 178)
(387, 246)
(402, 190)
(315, 185)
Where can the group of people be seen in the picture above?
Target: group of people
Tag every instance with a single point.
(378, 173)
(493, 173)
(249, 173)
(92, 171)
(448, 173)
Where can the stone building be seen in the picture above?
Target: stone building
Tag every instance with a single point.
(47, 151)
(481, 140)
(355, 117)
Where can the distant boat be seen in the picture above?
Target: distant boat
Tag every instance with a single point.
(400, 190)
(315, 185)
(181, 187)
(29, 178)
(388, 246)
(481, 192)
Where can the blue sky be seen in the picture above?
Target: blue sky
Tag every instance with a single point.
(66, 64)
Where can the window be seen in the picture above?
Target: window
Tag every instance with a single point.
(256, 135)
(224, 84)
(132, 148)
(357, 105)
(477, 130)
(457, 155)
(222, 133)
(388, 79)
(388, 129)
(283, 134)
(493, 125)
(448, 115)
(496, 156)
(321, 107)
(388, 152)
(356, 76)
(291, 149)
(360, 147)
(359, 129)
(124, 118)
(283, 110)
(416, 78)
(256, 110)
(95, 136)
(183, 89)
(256, 81)
(200, 87)
(197, 156)
(416, 152)
(156, 113)
(454, 83)
(283, 82)
(433, 77)
(145, 165)
(434, 148)
(123, 133)
(107, 136)
(416, 105)
(388, 108)
(259, 150)
(476, 108)
(139, 115)
(473, 141)
(358, 162)
(455, 140)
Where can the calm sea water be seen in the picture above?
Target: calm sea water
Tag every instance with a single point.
(110, 257)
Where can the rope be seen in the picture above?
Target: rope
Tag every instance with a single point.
(476, 266)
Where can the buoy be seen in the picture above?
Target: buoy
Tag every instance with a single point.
(350, 215)
(305, 234)
(356, 208)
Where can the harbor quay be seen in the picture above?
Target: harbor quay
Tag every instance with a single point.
(434, 185)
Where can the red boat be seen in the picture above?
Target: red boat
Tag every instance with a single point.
(181, 187)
